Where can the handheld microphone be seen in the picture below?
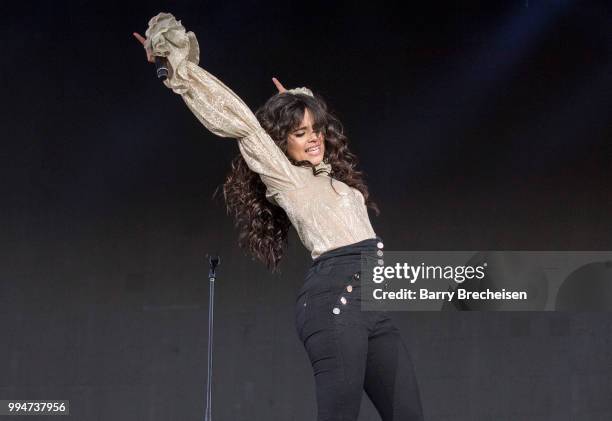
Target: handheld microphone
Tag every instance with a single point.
(161, 67)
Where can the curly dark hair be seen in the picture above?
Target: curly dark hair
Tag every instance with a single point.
(263, 226)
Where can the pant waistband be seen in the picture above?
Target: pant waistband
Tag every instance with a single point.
(326, 268)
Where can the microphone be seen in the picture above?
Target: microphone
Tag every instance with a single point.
(161, 67)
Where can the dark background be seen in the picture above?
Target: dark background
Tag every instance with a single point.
(484, 126)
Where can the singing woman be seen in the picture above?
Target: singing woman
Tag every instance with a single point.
(295, 168)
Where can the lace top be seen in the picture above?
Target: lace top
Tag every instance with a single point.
(324, 217)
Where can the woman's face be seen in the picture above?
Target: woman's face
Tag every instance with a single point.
(303, 144)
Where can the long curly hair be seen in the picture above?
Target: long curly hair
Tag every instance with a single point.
(263, 227)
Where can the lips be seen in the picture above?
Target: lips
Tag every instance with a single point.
(314, 150)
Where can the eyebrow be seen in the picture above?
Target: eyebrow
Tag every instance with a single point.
(303, 128)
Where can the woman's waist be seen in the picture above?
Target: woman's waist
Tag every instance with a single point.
(349, 252)
(337, 267)
(323, 242)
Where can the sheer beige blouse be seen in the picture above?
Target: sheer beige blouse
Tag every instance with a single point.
(324, 217)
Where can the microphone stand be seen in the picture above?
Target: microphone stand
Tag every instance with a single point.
(213, 263)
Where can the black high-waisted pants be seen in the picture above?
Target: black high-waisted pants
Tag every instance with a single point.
(352, 350)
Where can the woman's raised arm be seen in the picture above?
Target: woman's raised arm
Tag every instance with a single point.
(215, 105)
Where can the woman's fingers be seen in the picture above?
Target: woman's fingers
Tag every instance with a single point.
(278, 85)
(142, 41)
(140, 38)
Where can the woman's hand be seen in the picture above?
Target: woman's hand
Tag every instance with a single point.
(142, 40)
(278, 85)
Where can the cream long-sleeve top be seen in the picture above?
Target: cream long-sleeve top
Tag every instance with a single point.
(324, 217)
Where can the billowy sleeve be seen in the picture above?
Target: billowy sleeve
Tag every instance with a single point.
(216, 106)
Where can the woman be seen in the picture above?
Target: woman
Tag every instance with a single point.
(289, 152)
